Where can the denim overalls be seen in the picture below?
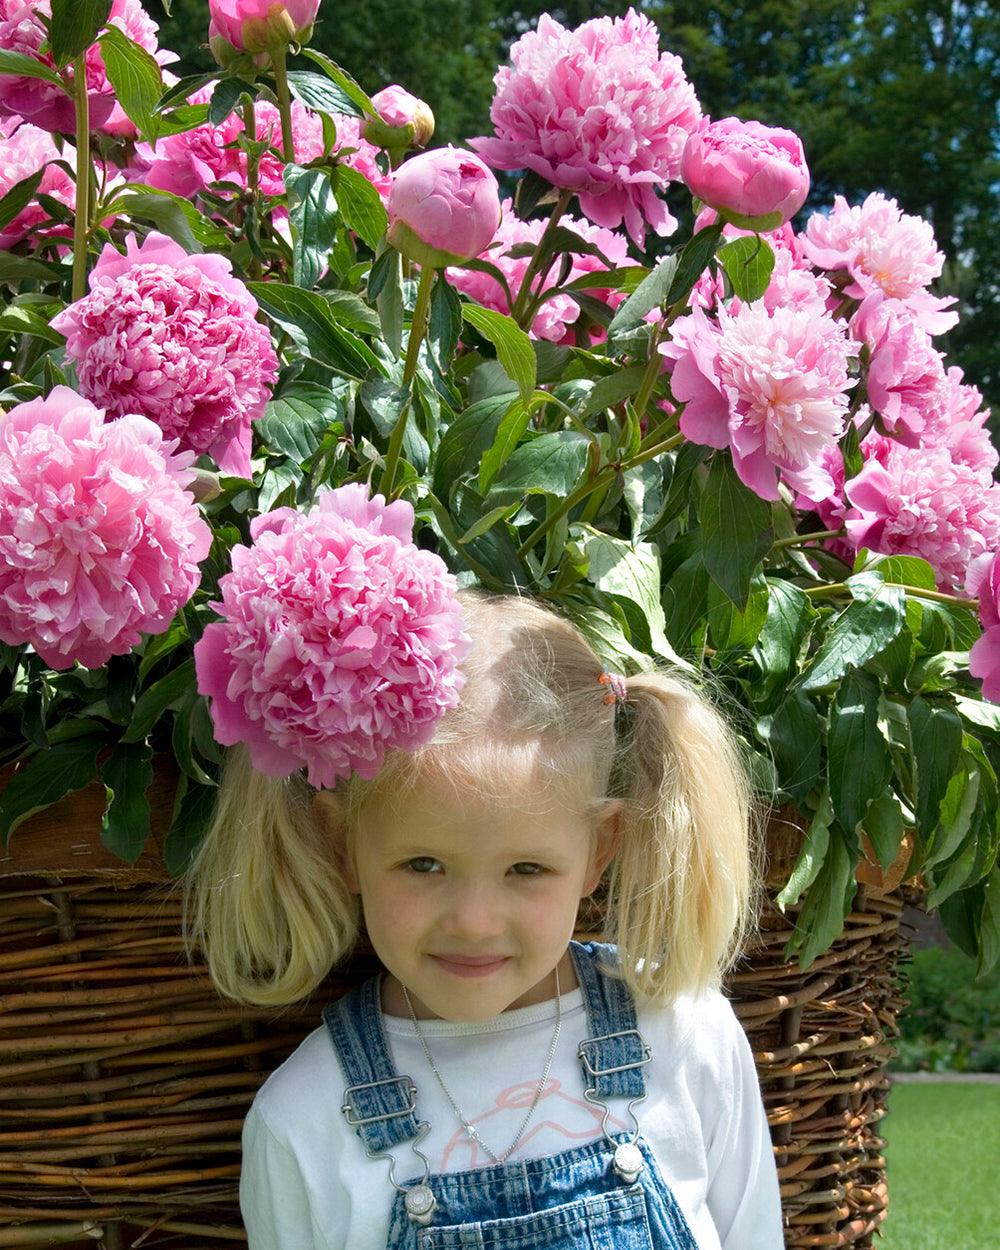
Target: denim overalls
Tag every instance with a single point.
(608, 1195)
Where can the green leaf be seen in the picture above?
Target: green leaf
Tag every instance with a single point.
(25, 66)
(685, 602)
(790, 615)
(171, 214)
(154, 701)
(192, 818)
(385, 287)
(749, 262)
(294, 424)
(611, 391)
(649, 294)
(810, 858)
(225, 97)
(136, 78)
(14, 268)
(858, 633)
(794, 733)
(989, 940)
(606, 635)
(313, 325)
(514, 350)
(74, 27)
(361, 206)
(46, 778)
(693, 261)
(362, 103)
(20, 320)
(736, 530)
(127, 774)
(859, 762)
(936, 744)
(320, 94)
(885, 827)
(467, 439)
(445, 326)
(729, 626)
(312, 216)
(631, 573)
(19, 197)
(509, 432)
(828, 904)
(546, 464)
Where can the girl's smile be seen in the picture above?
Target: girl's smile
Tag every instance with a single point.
(470, 902)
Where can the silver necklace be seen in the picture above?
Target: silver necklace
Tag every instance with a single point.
(469, 1128)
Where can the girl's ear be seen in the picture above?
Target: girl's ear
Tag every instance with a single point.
(328, 812)
(607, 836)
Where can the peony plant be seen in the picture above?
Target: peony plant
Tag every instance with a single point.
(268, 340)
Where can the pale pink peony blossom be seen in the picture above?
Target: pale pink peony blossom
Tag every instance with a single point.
(341, 639)
(771, 386)
(599, 111)
(555, 317)
(262, 25)
(905, 370)
(398, 108)
(983, 581)
(27, 150)
(955, 419)
(99, 540)
(753, 175)
(174, 337)
(919, 502)
(443, 206)
(881, 251)
(22, 29)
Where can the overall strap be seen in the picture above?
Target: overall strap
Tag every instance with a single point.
(379, 1105)
(614, 1055)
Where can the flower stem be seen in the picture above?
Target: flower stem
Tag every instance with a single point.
(831, 589)
(523, 299)
(797, 539)
(418, 329)
(81, 218)
(253, 160)
(279, 63)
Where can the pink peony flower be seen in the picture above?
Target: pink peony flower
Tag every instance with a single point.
(883, 251)
(754, 175)
(919, 502)
(555, 316)
(905, 370)
(24, 153)
(954, 420)
(22, 29)
(397, 108)
(262, 25)
(174, 337)
(341, 639)
(771, 386)
(598, 111)
(983, 581)
(444, 207)
(99, 540)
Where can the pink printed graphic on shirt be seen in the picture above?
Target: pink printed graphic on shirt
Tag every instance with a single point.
(572, 1119)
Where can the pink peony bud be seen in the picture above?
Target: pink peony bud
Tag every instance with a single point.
(403, 121)
(754, 176)
(444, 207)
(256, 26)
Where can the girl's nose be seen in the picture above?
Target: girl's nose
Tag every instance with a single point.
(472, 914)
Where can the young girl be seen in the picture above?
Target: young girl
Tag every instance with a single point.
(500, 1085)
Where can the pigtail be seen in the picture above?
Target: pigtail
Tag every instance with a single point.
(682, 884)
(264, 899)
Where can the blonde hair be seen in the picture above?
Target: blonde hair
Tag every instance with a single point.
(266, 898)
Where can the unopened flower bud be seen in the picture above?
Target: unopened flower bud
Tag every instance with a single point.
(261, 26)
(403, 120)
(444, 207)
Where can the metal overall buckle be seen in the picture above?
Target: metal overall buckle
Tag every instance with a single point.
(628, 1162)
(418, 1200)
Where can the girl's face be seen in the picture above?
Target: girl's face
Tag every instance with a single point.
(471, 902)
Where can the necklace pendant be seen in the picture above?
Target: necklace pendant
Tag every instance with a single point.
(628, 1162)
(420, 1204)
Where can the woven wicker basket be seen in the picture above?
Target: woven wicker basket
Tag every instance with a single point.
(124, 1078)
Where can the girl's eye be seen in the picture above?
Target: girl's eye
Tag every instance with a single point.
(423, 863)
(526, 869)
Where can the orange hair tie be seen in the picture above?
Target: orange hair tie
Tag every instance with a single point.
(617, 690)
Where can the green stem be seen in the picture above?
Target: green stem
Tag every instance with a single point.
(832, 589)
(418, 329)
(279, 63)
(797, 539)
(654, 367)
(81, 219)
(522, 300)
(253, 161)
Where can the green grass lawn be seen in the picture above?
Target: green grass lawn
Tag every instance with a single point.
(943, 1159)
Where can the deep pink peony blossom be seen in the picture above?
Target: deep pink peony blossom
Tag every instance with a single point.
(905, 370)
(983, 581)
(771, 386)
(262, 25)
(28, 150)
(555, 317)
(753, 175)
(99, 540)
(22, 29)
(598, 111)
(882, 251)
(919, 502)
(174, 337)
(443, 206)
(341, 639)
